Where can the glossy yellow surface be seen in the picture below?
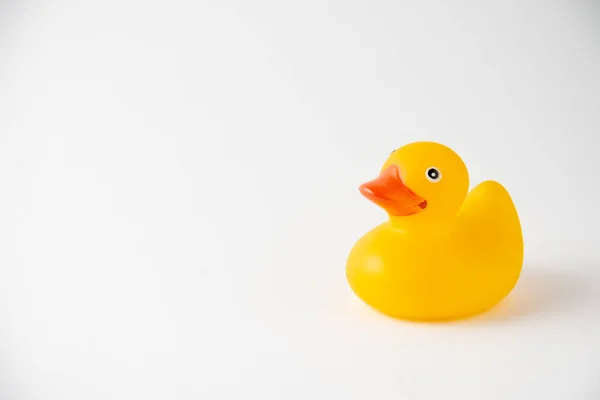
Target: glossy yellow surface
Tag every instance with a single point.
(454, 255)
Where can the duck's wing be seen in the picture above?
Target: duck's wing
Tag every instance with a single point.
(489, 211)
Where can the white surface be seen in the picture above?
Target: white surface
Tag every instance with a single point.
(179, 194)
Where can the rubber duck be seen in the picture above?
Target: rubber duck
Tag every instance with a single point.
(444, 253)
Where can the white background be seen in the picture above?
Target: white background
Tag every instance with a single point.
(178, 195)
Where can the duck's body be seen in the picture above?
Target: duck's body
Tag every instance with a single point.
(444, 266)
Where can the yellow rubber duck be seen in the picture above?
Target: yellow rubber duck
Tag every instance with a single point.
(443, 254)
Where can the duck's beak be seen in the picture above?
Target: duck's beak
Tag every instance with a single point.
(389, 192)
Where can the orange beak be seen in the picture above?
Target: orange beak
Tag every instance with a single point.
(389, 192)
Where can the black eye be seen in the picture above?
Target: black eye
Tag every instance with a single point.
(433, 174)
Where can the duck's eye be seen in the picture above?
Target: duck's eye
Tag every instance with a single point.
(433, 174)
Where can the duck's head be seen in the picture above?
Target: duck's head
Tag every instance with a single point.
(419, 181)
